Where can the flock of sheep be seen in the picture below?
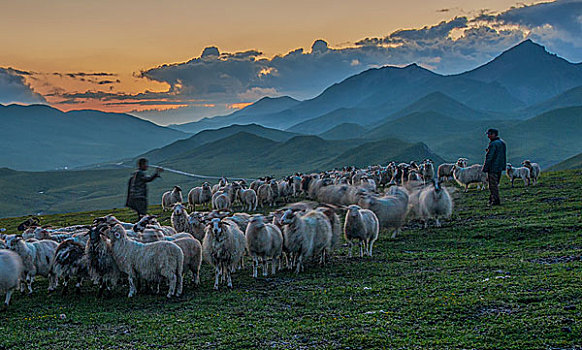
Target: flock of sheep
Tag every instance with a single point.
(149, 255)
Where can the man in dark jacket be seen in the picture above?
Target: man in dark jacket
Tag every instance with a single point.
(137, 191)
(495, 162)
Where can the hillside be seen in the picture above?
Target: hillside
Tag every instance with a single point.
(344, 131)
(39, 137)
(207, 136)
(491, 278)
(568, 164)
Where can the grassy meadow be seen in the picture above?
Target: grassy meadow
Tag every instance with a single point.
(506, 277)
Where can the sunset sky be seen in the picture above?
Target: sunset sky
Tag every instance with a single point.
(110, 55)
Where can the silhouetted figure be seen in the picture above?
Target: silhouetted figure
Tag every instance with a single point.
(495, 162)
(137, 191)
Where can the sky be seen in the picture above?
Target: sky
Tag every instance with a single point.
(178, 61)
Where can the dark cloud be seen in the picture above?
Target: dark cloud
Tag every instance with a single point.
(14, 89)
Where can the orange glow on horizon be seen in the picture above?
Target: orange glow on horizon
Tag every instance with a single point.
(240, 105)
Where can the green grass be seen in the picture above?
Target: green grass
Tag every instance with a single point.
(501, 278)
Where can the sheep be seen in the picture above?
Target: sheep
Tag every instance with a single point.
(363, 225)
(150, 221)
(469, 175)
(11, 268)
(30, 222)
(3, 244)
(221, 201)
(197, 225)
(241, 220)
(335, 223)
(265, 195)
(70, 262)
(112, 220)
(103, 269)
(172, 197)
(150, 234)
(284, 190)
(199, 195)
(534, 170)
(435, 202)
(149, 262)
(427, 170)
(520, 172)
(179, 218)
(296, 180)
(306, 235)
(192, 250)
(248, 198)
(37, 258)
(264, 241)
(223, 247)
(390, 209)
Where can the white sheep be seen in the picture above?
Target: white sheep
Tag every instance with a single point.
(36, 258)
(70, 262)
(264, 242)
(390, 209)
(519, 172)
(534, 170)
(363, 225)
(265, 195)
(223, 247)
(192, 250)
(11, 269)
(470, 175)
(172, 197)
(221, 201)
(427, 170)
(179, 218)
(445, 170)
(306, 236)
(248, 198)
(150, 262)
(199, 195)
(434, 203)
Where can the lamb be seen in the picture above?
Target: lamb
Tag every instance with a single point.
(363, 225)
(306, 235)
(469, 175)
(221, 201)
(264, 242)
(172, 197)
(391, 209)
(103, 269)
(248, 198)
(223, 247)
(265, 195)
(520, 172)
(200, 195)
(149, 262)
(11, 269)
(435, 202)
(534, 170)
(179, 218)
(37, 258)
(192, 250)
(70, 262)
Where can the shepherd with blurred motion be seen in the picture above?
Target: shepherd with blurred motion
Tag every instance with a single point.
(495, 162)
(137, 191)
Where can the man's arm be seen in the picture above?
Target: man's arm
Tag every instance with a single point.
(150, 178)
(489, 157)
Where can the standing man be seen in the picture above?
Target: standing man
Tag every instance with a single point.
(137, 191)
(495, 162)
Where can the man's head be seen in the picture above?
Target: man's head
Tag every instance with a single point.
(492, 134)
(142, 164)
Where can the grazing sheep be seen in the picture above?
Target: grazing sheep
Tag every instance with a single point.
(469, 175)
(363, 225)
(150, 262)
(248, 198)
(306, 236)
(179, 218)
(515, 173)
(534, 170)
(192, 250)
(435, 202)
(223, 247)
(30, 222)
(172, 197)
(37, 258)
(11, 269)
(199, 195)
(265, 195)
(264, 242)
(103, 269)
(391, 209)
(70, 262)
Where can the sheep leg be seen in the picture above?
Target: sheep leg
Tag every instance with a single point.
(29, 280)
(265, 266)
(350, 244)
(299, 263)
(172, 280)
(255, 266)
(438, 223)
(395, 232)
(132, 290)
(7, 300)
(466, 190)
(216, 277)
(274, 264)
(65, 290)
(370, 247)
(228, 280)
(512, 179)
(179, 284)
(101, 289)
(361, 249)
